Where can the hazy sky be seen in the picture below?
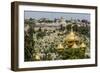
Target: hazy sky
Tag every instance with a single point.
(52, 15)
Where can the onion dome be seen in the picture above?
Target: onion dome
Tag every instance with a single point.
(72, 37)
(75, 46)
(82, 45)
(60, 48)
(37, 57)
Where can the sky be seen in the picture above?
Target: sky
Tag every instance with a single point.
(53, 15)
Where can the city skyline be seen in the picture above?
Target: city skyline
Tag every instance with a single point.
(53, 15)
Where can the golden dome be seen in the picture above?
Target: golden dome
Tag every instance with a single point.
(37, 57)
(74, 46)
(82, 45)
(71, 37)
(60, 48)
